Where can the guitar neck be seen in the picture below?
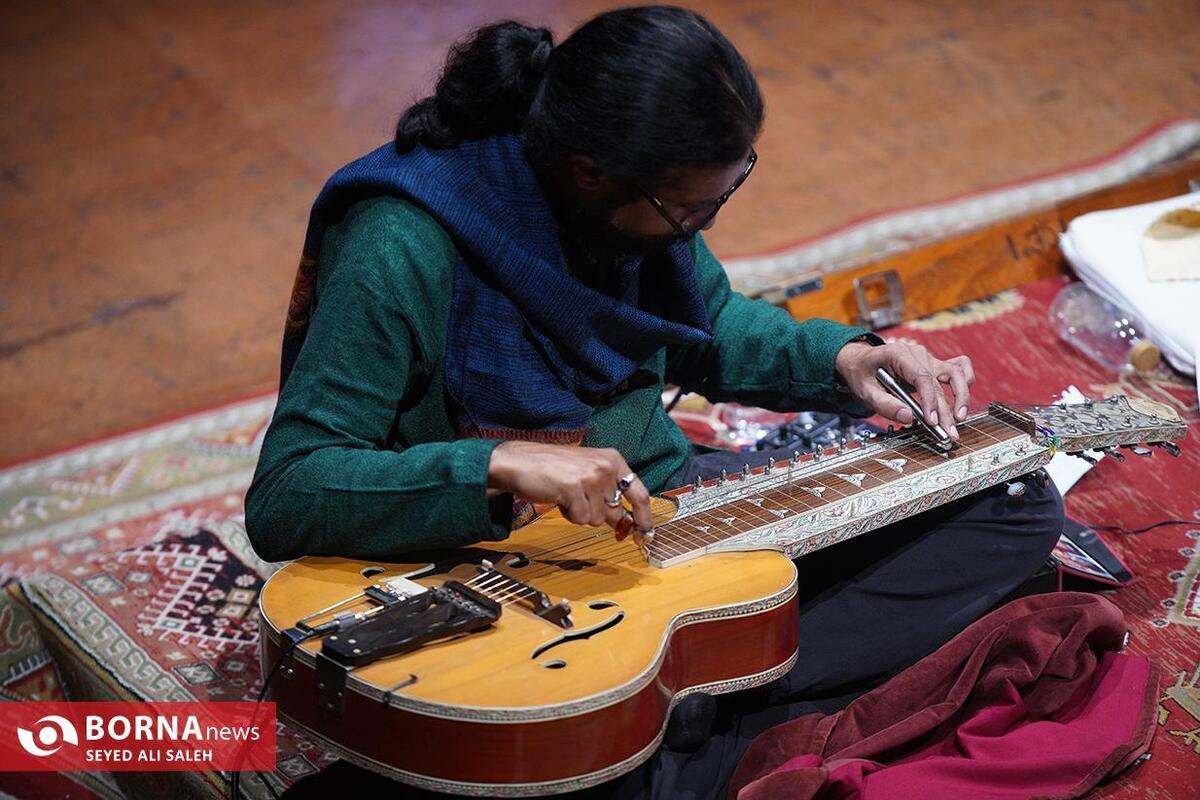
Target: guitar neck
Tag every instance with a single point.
(806, 504)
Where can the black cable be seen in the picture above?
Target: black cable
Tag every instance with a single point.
(235, 776)
(1127, 531)
(674, 400)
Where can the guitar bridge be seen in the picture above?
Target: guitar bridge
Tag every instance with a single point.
(451, 609)
(536, 600)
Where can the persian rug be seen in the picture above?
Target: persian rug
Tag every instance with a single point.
(127, 573)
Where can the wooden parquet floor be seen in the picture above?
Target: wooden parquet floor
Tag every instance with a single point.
(157, 160)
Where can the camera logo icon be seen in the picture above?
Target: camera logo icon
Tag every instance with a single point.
(53, 732)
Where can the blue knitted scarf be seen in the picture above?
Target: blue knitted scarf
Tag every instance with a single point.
(530, 348)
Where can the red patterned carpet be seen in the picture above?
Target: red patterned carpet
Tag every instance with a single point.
(1019, 359)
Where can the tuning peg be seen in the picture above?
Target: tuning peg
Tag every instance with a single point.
(1139, 450)
(1114, 452)
(1086, 457)
(1016, 488)
(1170, 447)
(1041, 478)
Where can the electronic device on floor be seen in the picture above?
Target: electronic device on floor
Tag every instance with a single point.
(1082, 555)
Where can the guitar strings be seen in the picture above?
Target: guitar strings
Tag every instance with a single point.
(616, 549)
(492, 583)
(619, 552)
(507, 590)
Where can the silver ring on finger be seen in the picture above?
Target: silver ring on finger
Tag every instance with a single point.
(615, 500)
(624, 484)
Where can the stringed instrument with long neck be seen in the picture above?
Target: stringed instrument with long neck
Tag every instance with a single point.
(550, 661)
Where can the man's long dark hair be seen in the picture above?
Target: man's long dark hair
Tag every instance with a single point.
(638, 90)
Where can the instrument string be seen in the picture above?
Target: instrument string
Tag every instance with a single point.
(488, 584)
(618, 552)
(493, 583)
(507, 591)
(615, 549)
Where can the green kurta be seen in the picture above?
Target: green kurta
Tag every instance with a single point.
(361, 458)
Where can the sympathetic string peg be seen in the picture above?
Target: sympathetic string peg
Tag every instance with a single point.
(722, 478)
(1170, 447)
(770, 465)
(745, 471)
(1091, 460)
(1016, 488)
(1114, 452)
(699, 484)
(795, 456)
(1140, 450)
(1041, 477)
(817, 454)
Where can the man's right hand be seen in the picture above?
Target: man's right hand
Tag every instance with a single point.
(577, 479)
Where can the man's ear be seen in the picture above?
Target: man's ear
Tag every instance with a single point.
(589, 178)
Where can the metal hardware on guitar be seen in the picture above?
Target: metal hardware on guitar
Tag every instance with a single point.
(942, 439)
(446, 611)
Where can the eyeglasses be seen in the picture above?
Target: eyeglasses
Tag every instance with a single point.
(708, 211)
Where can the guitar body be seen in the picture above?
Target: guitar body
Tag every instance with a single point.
(528, 707)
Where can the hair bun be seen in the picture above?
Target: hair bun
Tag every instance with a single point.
(541, 54)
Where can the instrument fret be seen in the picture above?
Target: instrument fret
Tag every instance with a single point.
(840, 481)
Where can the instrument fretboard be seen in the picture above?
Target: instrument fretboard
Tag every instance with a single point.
(801, 489)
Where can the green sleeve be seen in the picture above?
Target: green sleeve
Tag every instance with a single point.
(759, 355)
(330, 480)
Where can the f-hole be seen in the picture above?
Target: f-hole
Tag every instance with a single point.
(580, 633)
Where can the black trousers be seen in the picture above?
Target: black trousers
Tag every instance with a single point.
(869, 607)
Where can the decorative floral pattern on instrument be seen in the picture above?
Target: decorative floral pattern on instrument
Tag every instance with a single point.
(813, 502)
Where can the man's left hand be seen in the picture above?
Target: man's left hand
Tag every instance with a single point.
(857, 362)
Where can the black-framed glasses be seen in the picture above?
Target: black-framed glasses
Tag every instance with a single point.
(709, 211)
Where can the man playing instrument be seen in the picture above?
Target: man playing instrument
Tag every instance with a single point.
(487, 311)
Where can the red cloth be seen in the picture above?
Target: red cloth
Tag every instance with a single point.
(1030, 701)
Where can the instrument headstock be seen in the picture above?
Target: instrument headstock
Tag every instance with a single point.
(1099, 424)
